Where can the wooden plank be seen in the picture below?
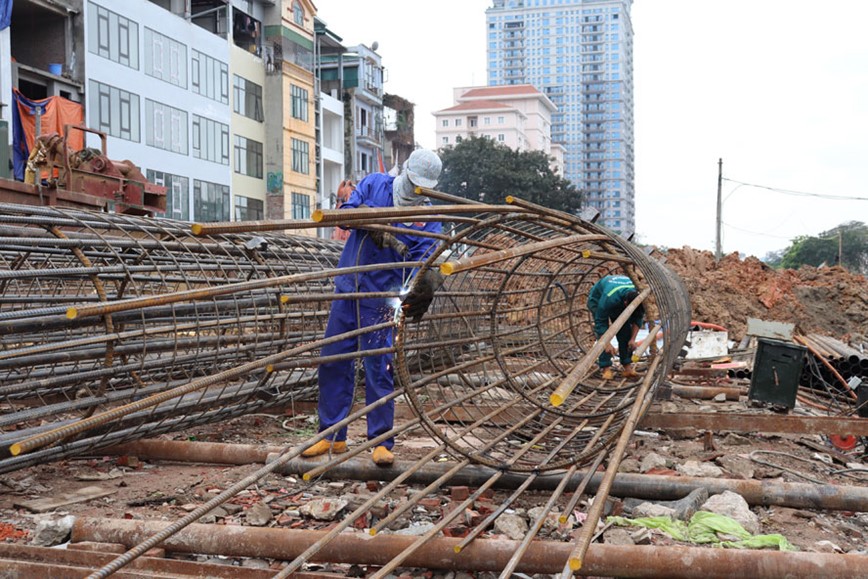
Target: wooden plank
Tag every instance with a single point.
(51, 503)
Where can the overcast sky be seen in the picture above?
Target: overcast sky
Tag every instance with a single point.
(776, 88)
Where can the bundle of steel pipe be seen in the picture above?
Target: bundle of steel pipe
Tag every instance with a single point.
(847, 360)
(117, 327)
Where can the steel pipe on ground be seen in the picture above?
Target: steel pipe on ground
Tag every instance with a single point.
(481, 555)
(651, 487)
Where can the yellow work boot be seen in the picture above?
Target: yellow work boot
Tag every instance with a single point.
(324, 446)
(383, 456)
(608, 374)
(629, 373)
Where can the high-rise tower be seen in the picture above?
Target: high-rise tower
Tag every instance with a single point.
(579, 53)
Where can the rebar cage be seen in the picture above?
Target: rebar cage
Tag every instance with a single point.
(115, 328)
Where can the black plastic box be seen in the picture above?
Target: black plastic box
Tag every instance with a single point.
(777, 367)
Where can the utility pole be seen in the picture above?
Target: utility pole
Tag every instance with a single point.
(718, 252)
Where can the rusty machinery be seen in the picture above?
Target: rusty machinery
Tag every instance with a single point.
(85, 178)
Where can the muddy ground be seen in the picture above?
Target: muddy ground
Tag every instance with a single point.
(830, 300)
(160, 490)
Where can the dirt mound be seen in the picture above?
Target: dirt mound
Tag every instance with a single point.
(829, 300)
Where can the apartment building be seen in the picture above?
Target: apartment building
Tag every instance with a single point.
(518, 116)
(579, 53)
(356, 76)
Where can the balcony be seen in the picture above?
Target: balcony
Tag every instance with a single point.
(369, 135)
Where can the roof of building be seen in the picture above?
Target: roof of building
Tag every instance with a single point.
(499, 91)
(476, 105)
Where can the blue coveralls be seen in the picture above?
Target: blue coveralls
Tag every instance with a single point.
(336, 379)
(606, 302)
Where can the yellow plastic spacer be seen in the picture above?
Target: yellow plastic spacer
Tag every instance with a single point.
(575, 564)
(586, 253)
(562, 519)
(447, 268)
(196, 228)
(556, 399)
(15, 449)
(457, 548)
(317, 215)
(372, 532)
(269, 368)
(71, 313)
(635, 358)
(510, 199)
(418, 190)
(305, 476)
(284, 299)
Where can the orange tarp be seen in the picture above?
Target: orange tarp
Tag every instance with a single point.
(58, 112)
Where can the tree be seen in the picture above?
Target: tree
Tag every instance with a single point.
(483, 170)
(852, 237)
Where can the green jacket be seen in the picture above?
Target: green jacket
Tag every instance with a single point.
(606, 302)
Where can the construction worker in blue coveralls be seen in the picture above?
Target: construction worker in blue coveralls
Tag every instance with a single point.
(363, 247)
(608, 299)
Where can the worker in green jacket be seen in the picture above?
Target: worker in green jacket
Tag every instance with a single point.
(608, 299)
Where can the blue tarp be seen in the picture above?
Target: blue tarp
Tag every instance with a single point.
(5, 14)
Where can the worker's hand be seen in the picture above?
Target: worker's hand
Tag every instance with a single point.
(420, 297)
(610, 349)
(379, 238)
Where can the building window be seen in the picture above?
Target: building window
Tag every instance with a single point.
(114, 111)
(457, 122)
(165, 58)
(166, 127)
(297, 13)
(300, 156)
(458, 139)
(247, 97)
(247, 209)
(112, 36)
(210, 140)
(501, 120)
(486, 120)
(300, 206)
(210, 201)
(472, 122)
(444, 140)
(209, 77)
(445, 122)
(248, 157)
(177, 193)
(501, 137)
(299, 103)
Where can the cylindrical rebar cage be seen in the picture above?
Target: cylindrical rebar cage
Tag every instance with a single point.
(115, 328)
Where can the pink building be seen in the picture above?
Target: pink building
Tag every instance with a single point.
(519, 116)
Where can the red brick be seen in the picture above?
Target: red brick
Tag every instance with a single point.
(460, 493)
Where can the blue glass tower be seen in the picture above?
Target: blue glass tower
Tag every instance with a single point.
(579, 53)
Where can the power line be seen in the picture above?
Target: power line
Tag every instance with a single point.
(798, 193)
(731, 226)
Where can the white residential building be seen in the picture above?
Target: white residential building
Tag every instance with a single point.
(516, 116)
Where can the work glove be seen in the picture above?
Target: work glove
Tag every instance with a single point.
(420, 297)
(384, 239)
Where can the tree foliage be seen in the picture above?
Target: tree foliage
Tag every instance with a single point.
(483, 170)
(815, 251)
